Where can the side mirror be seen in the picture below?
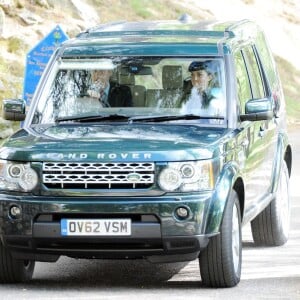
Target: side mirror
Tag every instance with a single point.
(14, 109)
(258, 110)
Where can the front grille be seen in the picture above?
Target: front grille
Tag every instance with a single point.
(132, 175)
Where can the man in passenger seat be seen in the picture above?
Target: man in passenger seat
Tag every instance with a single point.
(108, 93)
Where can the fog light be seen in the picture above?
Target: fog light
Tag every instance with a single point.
(182, 213)
(15, 212)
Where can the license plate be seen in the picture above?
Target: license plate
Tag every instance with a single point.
(95, 227)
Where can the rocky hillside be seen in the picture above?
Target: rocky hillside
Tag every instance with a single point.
(23, 23)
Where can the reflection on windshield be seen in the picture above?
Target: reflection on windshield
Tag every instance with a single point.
(134, 87)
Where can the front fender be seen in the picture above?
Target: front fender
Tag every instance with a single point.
(223, 188)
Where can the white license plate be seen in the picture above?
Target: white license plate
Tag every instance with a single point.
(95, 227)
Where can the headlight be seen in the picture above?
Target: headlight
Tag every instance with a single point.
(169, 179)
(17, 176)
(187, 176)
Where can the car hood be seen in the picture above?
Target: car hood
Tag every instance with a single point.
(112, 142)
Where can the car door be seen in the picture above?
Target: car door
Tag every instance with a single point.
(259, 140)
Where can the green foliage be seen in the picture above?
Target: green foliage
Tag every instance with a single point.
(140, 7)
(2, 66)
(293, 109)
(156, 9)
(11, 76)
(290, 79)
(19, 5)
(15, 45)
(13, 68)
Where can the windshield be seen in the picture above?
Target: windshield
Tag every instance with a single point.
(133, 88)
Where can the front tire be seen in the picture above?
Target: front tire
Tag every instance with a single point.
(271, 226)
(220, 262)
(14, 270)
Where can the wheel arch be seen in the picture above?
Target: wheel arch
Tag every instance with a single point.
(229, 180)
(284, 154)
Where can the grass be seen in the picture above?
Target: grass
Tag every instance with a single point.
(16, 45)
(12, 84)
(140, 8)
(135, 10)
(290, 79)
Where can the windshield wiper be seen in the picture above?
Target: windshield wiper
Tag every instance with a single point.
(117, 117)
(93, 118)
(164, 118)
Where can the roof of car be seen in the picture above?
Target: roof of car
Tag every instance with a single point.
(170, 27)
(160, 37)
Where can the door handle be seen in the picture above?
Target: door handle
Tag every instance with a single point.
(262, 131)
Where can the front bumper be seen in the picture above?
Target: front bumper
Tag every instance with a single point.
(157, 233)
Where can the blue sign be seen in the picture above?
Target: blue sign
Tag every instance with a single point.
(37, 59)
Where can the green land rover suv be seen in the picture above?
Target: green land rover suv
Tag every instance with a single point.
(148, 140)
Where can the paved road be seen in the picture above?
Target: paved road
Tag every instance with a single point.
(268, 273)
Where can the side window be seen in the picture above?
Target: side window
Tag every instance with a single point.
(269, 66)
(267, 60)
(243, 85)
(257, 86)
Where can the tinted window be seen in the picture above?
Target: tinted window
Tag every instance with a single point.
(137, 86)
(254, 72)
(269, 66)
(267, 60)
(243, 85)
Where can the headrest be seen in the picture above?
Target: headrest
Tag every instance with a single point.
(172, 77)
(124, 77)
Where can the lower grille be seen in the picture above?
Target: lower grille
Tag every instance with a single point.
(98, 175)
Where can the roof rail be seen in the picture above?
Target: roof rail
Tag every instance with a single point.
(128, 33)
(101, 27)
